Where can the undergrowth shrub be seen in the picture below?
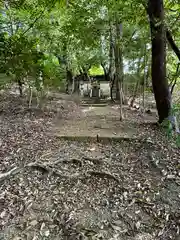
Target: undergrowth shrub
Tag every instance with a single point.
(175, 116)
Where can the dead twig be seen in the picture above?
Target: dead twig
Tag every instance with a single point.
(76, 161)
(103, 175)
(46, 169)
(39, 167)
(10, 173)
(36, 166)
(73, 160)
(128, 222)
(93, 160)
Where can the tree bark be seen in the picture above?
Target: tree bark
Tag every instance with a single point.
(119, 67)
(144, 77)
(112, 87)
(20, 85)
(158, 39)
(117, 72)
(172, 44)
(69, 79)
(106, 72)
(137, 83)
(111, 63)
(168, 35)
(174, 81)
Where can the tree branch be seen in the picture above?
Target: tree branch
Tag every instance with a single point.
(168, 35)
(35, 20)
(174, 84)
(104, 68)
(172, 44)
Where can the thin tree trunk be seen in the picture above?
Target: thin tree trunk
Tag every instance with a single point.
(112, 87)
(66, 62)
(121, 83)
(30, 95)
(69, 79)
(111, 54)
(144, 78)
(119, 67)
(172, 44)
(121, 101)
(173, 84)
(137, 83)
(158, 38)
(135, 92)
(117, 73)
(148, 73)
(20, 87)
(75, 85)
(116, 59)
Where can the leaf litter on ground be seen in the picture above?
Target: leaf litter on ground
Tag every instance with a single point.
(127, 190)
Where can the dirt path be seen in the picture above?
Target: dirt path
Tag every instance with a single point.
(103, 121)
(126, 190)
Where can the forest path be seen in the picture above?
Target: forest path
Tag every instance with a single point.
(74, 190)
(104, 122)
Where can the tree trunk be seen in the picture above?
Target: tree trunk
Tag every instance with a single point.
(84, 73)
(20, 87)
(135, 92)
(117, 72)
(111, 63)
(112, 87)
(144, 77)
(106, 73)
(158, 38)
(148, 74)
(69, 79)
(168, 34)
(137, 82)
(119, 67)
(121, 80)
(76, 85)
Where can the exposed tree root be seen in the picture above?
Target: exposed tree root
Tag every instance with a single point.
(128, 222)
(39, 167)
(10, 173)
(73, 160)
(36, 166)
(103, 175)
(48, 169)
(93, 160)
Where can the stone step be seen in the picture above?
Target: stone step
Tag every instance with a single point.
(94, 139)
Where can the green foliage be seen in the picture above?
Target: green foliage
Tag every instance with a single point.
(96, 70)
(19, 56)
(4, 81)
(175, 112)
(53, 74)
(33, 31)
